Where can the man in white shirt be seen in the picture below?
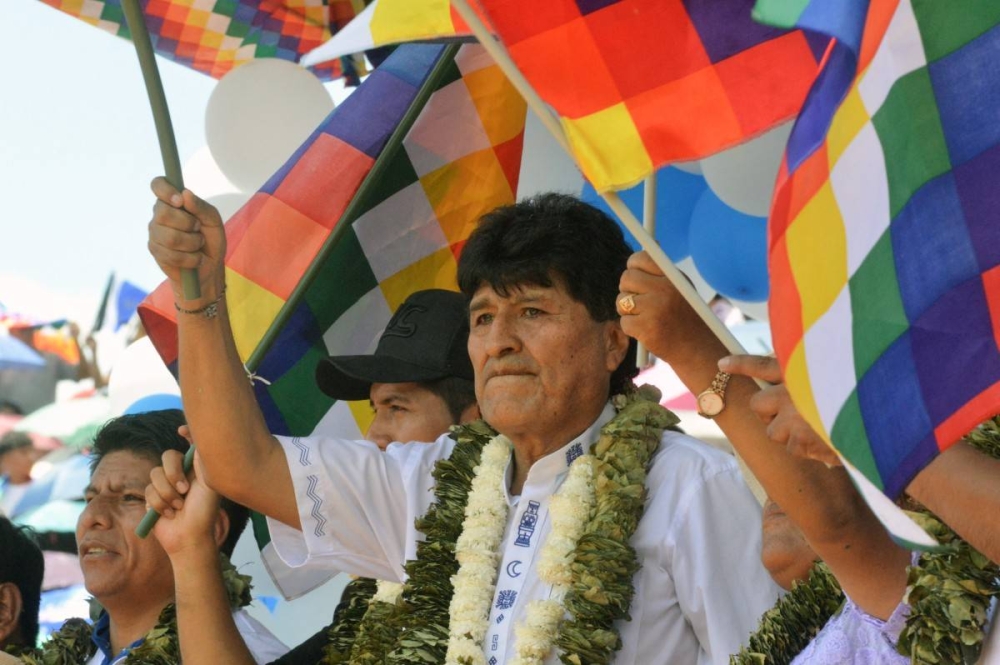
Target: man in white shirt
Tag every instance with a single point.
(548, 353)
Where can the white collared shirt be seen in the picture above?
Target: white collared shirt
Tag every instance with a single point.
(698, 594)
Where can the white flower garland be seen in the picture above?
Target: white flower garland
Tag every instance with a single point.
(478, 553)
(387, 592)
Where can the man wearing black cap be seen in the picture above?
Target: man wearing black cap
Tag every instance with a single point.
(419, 380)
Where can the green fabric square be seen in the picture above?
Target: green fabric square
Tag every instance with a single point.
(877, 313)
(449, 74)
(343, 277)
(909, 128)
(266, 51)
(849, 436)
(301, 403)
(112, 13)
(238, 29)
(779, 13)
(948, 26)
(225, 7)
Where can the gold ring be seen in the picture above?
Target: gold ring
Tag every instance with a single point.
(626, 303)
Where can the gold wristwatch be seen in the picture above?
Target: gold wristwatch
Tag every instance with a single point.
(712, 401)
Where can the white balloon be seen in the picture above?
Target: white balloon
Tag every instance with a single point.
(257, 116)
(700, 285)
(756, 310)
(693, 166)
(138, 372)
(545, 167)
(743, 177)
(204, 177)
(228, 204)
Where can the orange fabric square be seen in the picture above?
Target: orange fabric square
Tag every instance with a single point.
(880, 13)
(516, 20)
(779, 219)
(685, 119)
(278, 247)
(808, 179)
(237, 225)
(186, 50)
(171, 30)
(176, 13)
(785, 305)
(768, 82)
(325, 179)
(568, 70)
(661, 30)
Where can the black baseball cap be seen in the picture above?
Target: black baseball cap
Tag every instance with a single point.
(425, 340)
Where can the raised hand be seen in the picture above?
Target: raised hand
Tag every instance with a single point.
(773, 405)
(187, 232)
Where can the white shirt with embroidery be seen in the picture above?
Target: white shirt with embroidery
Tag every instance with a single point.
(698, 594)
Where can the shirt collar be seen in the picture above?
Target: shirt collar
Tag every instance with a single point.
(557, 462)
(101, 636)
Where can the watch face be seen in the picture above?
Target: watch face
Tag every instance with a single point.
(710, 404)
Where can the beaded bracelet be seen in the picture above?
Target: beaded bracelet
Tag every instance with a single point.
(211, 310)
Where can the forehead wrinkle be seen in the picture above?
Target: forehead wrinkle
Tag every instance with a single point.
(516, 295)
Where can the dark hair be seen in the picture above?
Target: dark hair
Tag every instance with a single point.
(14, 441)
(546, 238)
(457, 393)
(21, 564)
(149, 435)
(6, 406)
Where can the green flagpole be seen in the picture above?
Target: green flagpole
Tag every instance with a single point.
(171, 166)
(161, 117)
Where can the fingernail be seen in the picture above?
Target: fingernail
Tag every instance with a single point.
(724, 363)
(177, 200)
(178, 504)
(182, 486)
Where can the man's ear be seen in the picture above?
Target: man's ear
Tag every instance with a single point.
(10, 611)
(221, 527)
(617, 345)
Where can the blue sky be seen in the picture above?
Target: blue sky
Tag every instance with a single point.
(78, 151)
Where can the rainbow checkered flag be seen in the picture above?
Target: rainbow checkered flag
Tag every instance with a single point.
(637, 84)
(884, 244)
(375, 205)
(213, 36)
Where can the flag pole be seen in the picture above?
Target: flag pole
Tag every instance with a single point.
(161, 118)
(649, 226)
(646, 241)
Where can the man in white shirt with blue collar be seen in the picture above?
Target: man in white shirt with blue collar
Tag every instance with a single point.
(548, 353)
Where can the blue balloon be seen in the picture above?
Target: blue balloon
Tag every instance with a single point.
(157, 402)
(729, 249)
(677, 192)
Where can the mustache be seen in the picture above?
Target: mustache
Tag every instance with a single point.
(508, 368)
